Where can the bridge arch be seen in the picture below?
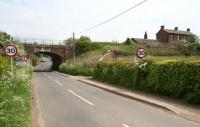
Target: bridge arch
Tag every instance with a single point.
(58, 53)
(56, 59)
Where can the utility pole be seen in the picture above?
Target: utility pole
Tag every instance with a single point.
(74, 55)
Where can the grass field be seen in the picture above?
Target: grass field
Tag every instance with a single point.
(129, 51)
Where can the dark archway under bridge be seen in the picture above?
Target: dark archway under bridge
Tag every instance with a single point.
(58, 53)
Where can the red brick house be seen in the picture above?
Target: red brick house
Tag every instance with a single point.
(173, 35)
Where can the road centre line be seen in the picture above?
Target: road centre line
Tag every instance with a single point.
(80, 97)
(125, 125)
(58, 83)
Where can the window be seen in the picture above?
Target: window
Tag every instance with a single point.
(171, 37)
(178, 37)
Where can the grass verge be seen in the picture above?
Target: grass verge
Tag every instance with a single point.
(15, 96)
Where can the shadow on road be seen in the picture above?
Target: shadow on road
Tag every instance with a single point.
(42, 70)
(44, 66)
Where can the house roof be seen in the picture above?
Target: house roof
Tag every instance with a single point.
(178, 32)
(141, 40)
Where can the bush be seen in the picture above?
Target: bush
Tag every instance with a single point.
(4, 66)
(84, 44)
(69, 68)
(128, 41)
(121, 73)
(15, 96)
(172, 78)
(192, 47)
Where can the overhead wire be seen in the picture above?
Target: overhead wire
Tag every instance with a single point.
(108, 20)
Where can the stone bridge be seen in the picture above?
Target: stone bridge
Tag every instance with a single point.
(58, 53)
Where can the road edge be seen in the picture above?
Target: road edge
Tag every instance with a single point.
(166, 108)
(123, 95)
(130, 97)
(36, 116)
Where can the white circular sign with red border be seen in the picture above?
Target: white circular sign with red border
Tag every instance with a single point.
(141, 53)
(10, 50)
(25, 57)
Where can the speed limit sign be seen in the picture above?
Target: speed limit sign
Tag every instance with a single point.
(10, 50)
(141, 53)
(25, 58)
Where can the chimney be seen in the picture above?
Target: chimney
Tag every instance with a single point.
(162, 27)
(145, 35)
(188, 29)
(176, 28)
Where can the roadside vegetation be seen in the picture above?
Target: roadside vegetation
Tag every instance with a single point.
(15, 96)
(175, 78)
(173, 73)
(88, 53)
(75, 69)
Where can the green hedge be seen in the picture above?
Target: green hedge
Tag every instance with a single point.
(172, 78)
(69, 68)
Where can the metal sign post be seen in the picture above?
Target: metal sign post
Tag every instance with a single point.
(74, 50)
(11, 51)
(11, 65)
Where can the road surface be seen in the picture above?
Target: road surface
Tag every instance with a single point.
(66, 102)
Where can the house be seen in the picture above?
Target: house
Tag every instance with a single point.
(166, 36)
(173, 35)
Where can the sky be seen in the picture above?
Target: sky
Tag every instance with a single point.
(58, 19)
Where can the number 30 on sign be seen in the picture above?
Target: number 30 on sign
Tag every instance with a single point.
(141, 53)
(10, 50)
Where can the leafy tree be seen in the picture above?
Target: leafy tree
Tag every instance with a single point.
(69, 41)
(84, 39)
(84, 44)
(192, 47)
(1, 37)
(128, 41)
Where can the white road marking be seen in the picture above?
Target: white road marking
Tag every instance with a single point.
(80, 97)
(125, 125)
(58, 83)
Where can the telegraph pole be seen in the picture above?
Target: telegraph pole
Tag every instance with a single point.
(74, 55)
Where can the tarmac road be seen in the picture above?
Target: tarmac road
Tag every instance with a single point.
(66, 102)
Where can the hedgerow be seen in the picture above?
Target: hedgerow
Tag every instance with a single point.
(72, 69)
(172, 78)
(14, 96)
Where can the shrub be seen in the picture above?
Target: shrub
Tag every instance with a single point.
(128, 41)
(84, 44)
(4, 66)
(191, 47)
(14, 96)
(69, 68)
(123, 73)
(172, 78)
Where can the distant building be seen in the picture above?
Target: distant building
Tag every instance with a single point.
(144, 40)
(166, 36)
(173, 35)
